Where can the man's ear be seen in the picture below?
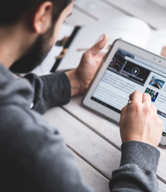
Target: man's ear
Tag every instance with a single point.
(43, 17)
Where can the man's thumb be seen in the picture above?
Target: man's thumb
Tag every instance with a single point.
(99, 45)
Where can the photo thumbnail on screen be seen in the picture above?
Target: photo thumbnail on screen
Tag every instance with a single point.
(122, 65)
(152, 93)
(157, 83)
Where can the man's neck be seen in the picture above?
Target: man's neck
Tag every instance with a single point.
(14, 42)
(7, 46)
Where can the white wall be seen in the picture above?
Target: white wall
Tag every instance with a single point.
(159, 2)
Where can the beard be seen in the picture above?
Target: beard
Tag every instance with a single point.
(35, 55)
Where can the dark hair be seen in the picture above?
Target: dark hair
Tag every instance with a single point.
(12, 11)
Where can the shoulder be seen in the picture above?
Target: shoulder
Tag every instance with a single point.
(25, 127)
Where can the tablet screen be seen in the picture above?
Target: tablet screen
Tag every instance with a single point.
(127, 73)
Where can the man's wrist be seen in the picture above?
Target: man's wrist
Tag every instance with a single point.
(76, 86)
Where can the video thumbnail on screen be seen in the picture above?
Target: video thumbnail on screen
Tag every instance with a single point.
(121, 65)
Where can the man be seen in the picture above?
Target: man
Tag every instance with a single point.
(34, 158)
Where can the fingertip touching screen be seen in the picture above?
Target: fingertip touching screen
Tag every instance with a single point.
(127, 73)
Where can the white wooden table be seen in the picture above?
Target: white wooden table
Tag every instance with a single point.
(95, 141)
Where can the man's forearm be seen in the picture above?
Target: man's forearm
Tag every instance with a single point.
(49, 90)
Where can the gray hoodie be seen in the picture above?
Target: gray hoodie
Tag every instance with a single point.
(33, 155)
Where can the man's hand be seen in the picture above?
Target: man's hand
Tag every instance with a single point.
(139, 120)
(81, 77)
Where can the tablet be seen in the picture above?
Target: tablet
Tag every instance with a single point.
(127, 68)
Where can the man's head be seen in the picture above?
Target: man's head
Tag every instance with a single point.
(40, 20)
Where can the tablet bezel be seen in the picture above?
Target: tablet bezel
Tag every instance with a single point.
(118, 44)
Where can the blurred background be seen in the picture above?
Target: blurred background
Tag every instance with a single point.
(160, 2)
(152, 12)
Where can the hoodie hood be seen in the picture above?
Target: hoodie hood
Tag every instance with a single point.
(14, 91)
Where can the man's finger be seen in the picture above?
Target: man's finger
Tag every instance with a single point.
(154, 108)
(146, 98)
(136, 97)
(99, 46)
(102, 55)
(123, 112)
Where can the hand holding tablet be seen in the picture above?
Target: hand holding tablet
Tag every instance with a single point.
(127, 69)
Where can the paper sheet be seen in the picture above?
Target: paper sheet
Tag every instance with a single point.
(130, 29)
(156, 41)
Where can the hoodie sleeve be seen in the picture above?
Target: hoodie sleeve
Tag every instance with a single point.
(137, 172)
(49, 90)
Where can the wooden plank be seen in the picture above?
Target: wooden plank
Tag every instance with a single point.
(103, 126)
(78, 18)
(91, 177)
(96, 151)
(108, 130)
(98, 9)
(96, 180)
(151, 13)
(162, 187)
(85, 142)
